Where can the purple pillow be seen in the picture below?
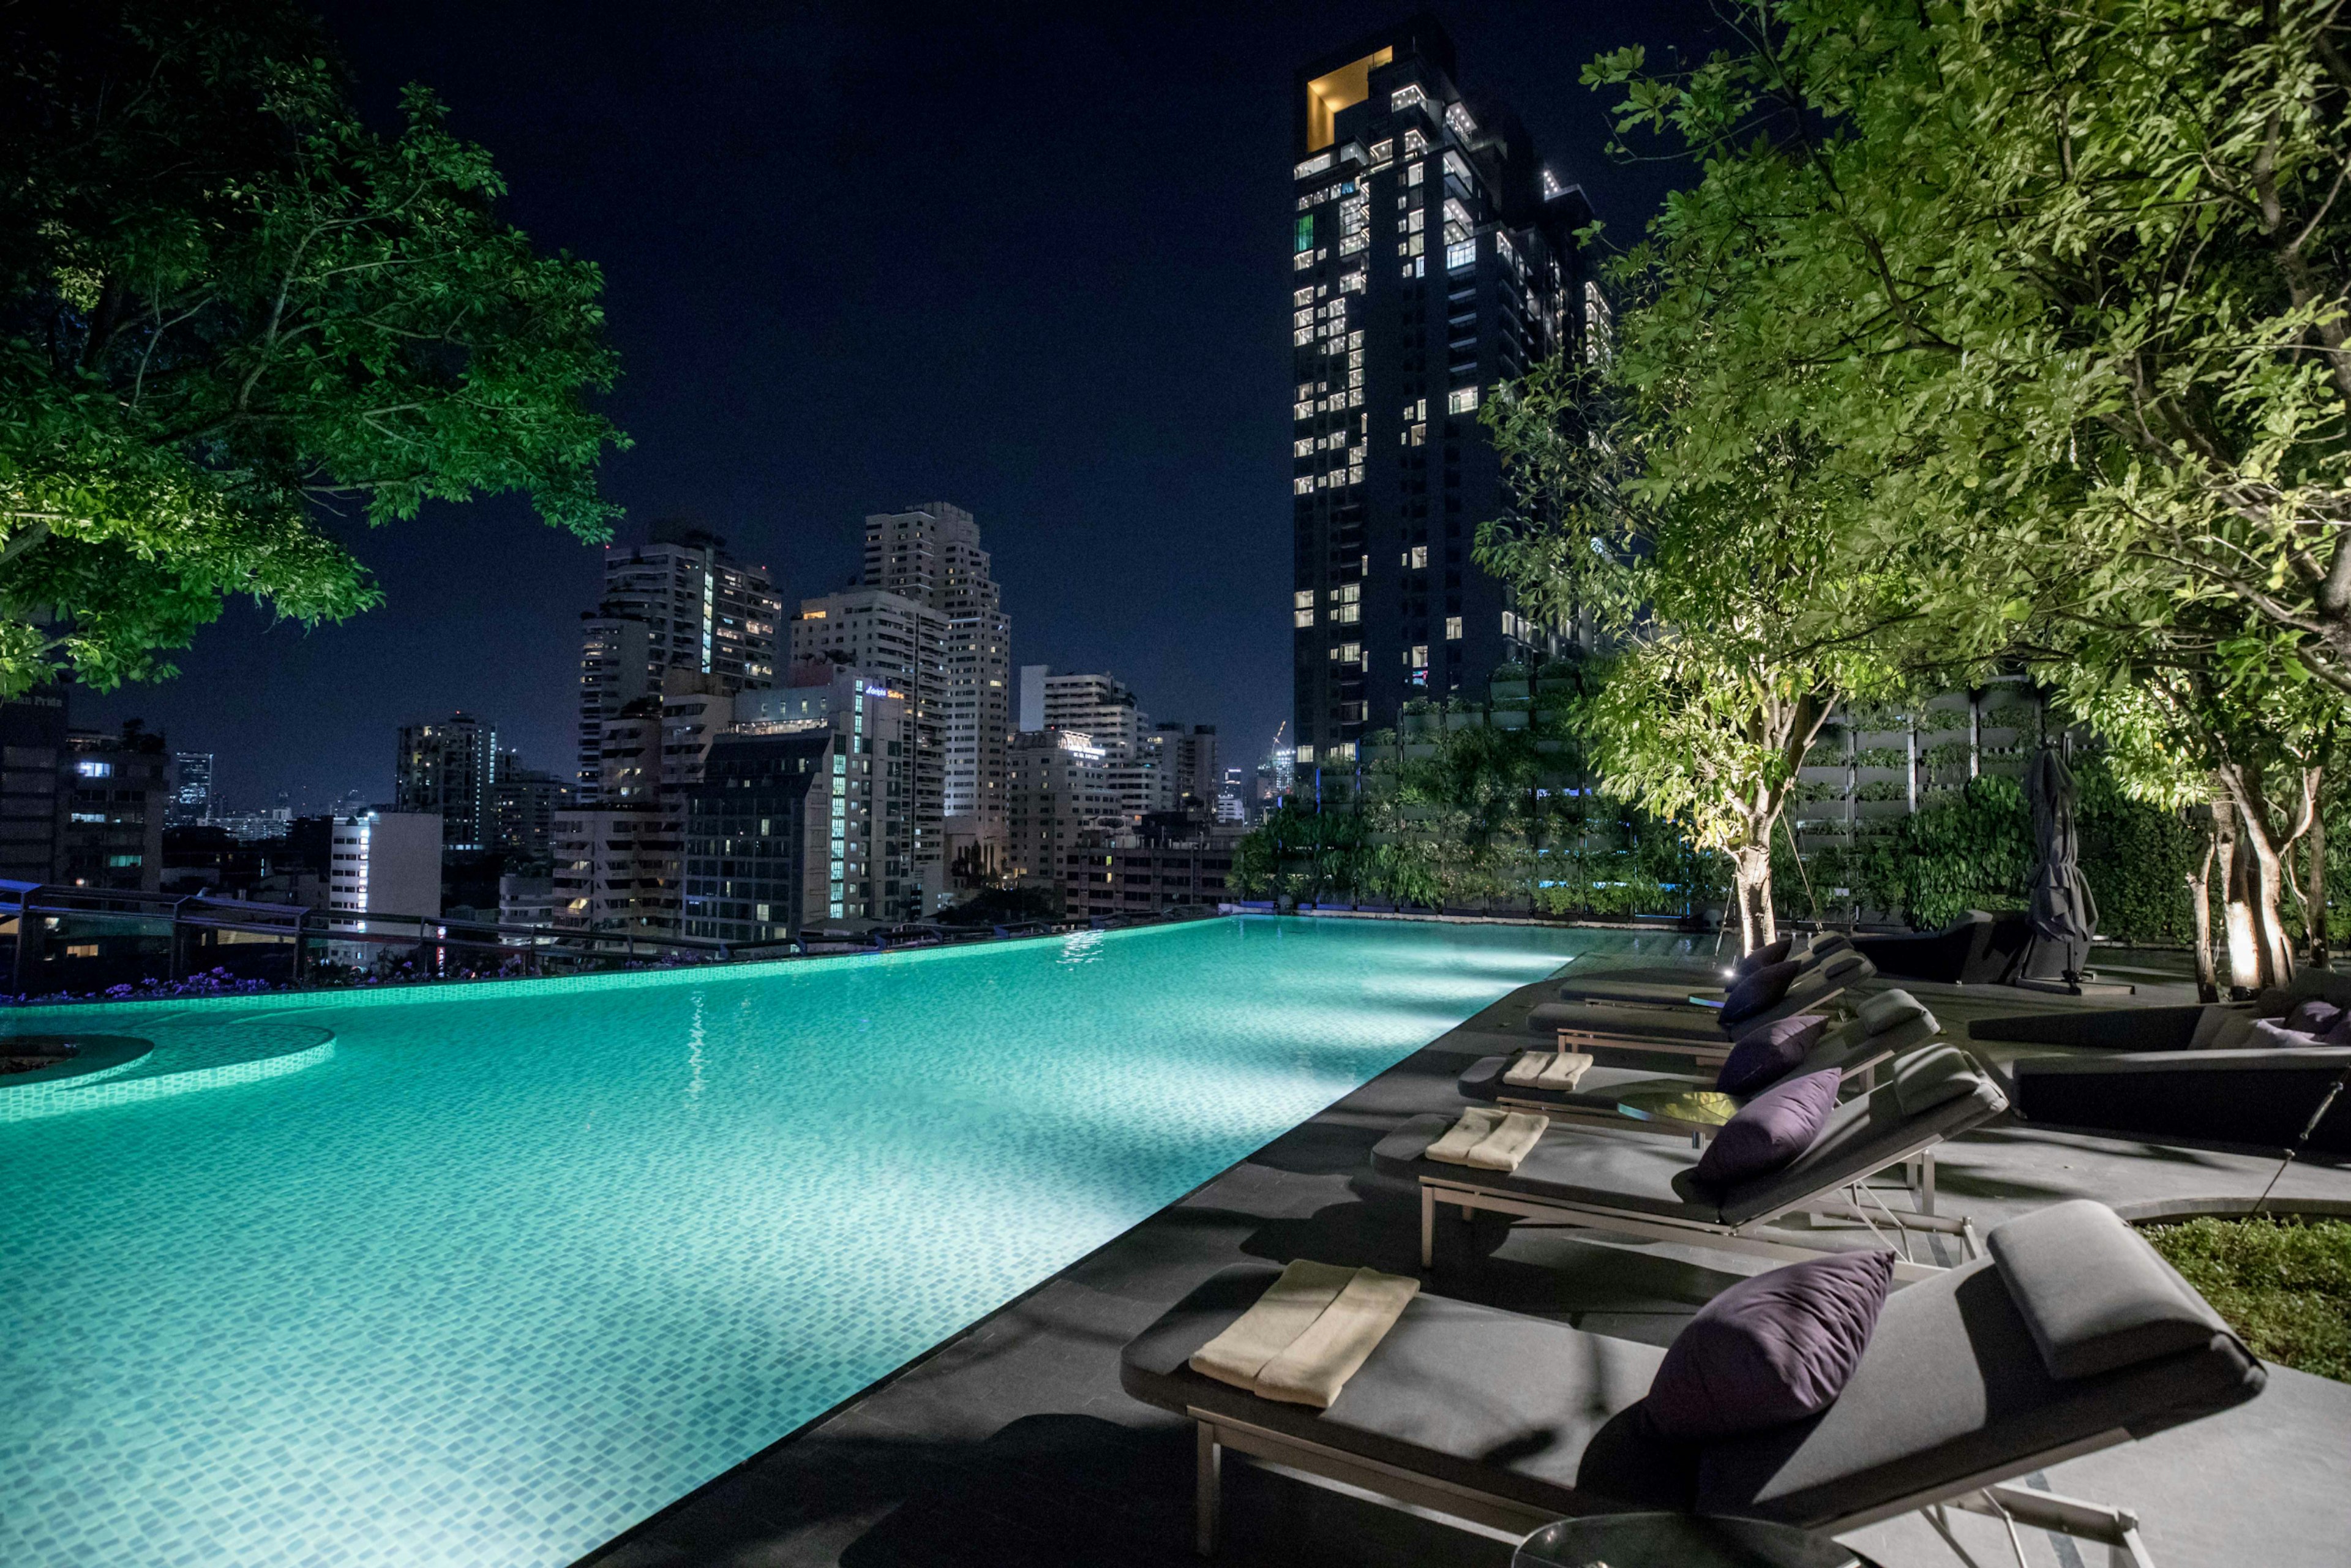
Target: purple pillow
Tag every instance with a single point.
(1769, 953)
(1769, 1054)
(1757, 991)
(2315, 1016)
(1769, 1350)
(1768, 1131)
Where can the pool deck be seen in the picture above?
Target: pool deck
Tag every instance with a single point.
(1012, 1443)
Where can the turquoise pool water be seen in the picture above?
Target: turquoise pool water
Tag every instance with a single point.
(484, 1276)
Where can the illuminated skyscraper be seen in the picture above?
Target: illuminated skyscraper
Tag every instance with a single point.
(701, 614)
(450, 767)
(1432, 258)
(930, 554)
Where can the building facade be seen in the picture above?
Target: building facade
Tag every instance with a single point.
(1432, 259)
(1131, 878)
(678, 603)
(119, 796)
(35, 786)
(1058, 797)
(903, 644)
(385, 862)
(450, 767)
(931, 555)
(810, 822)
(528, 801)
(191, 798)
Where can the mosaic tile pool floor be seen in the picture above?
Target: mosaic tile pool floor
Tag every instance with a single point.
(485, 1277)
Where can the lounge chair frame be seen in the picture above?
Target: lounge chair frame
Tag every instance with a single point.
(1986, 1493)
(1860, 1079)
(1918, 1160)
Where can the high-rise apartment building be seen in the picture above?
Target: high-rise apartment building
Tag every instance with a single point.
(121, 792)
(904, 642)
(803, 816)
(1433, 258)
(450, 767)
(1100, 706)
(931, 554)
(702, 613)
(615, 670)
(1190, 752)
(384, 862)
(1058, 794)
(528, 801)
(35, 789)
(191, 798)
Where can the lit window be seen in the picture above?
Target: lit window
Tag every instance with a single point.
(1413, 142)
(1461, 399)
(1346, 593)
(1302, 618)
(1458, 166)
(1347, 653)
(1417, 221)
(1452, 628)
(1384, 150)
(92, 769)
(1305, 234)
(1352, 283)
(1406, 97)
(1420, 654)
(1420, 172)
(1304, 296)
(1419, 561)
(1302, 600)
(1312, 167)
(1458, 119)
(1302, 486)
(1306, 447)
(1457, 256)
(1301, 261)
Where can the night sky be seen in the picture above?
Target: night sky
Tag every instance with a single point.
(1031, 261)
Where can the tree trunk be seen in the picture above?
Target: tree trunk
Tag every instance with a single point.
(2314, 850)
(2257, 883)
(2199, 894)
(1751, 873)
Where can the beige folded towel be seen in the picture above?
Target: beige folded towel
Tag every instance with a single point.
(1287, 1309)
(1317, 1365)
(1453, 1149)
(1527, 1068)
(1565, 1070)
(1507, 1145)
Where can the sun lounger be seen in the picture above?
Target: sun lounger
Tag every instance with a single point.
(1667, 985)
(1687, 1038)
(2212, 1026)
(2258, 1098)
(1976, 949)
(1886, 1025)
(2072, 1336)
(1645, 1187)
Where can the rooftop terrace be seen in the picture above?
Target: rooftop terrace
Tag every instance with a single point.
(1012, 1443)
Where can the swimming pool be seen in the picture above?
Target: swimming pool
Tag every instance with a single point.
(483, 1275)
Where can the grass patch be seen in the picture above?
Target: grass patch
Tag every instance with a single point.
(2283, 1286)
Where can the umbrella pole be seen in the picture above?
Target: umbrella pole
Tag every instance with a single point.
(2325, 1104)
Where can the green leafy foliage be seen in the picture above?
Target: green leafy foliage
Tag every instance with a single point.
(229, 310)
(2284, 1287)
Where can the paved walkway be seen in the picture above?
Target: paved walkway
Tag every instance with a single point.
(1013, 1443)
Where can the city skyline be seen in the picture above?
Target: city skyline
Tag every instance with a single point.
(933, 324)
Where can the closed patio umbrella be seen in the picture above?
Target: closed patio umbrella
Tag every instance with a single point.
(2064, 915)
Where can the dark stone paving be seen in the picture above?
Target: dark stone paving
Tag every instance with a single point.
(1013, 1443)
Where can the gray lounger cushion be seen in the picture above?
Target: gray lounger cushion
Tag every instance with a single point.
(1811, 990)
(1636, 1174)
(1597, 1089)
(1953, 1385)
(1951, 1389)
(1862, 1135)
(1486, 1399)
(2096, 1297)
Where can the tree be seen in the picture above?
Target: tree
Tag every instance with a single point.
(1677, 494)
(2078, 282)
(232, 311)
